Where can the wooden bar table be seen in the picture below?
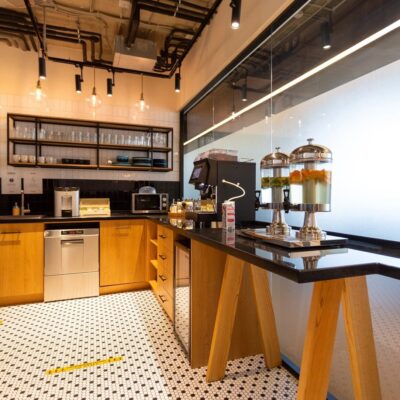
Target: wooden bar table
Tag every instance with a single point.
(338, 277)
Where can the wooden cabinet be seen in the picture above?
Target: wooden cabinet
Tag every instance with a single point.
(122, 252)
(21, 263)
(161, 253)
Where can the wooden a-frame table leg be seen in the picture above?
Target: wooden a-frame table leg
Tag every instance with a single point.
(319, 341)
(266, 317)
(225, 319)
(360, 339)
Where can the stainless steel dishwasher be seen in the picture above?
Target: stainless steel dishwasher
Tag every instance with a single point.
(71, 263)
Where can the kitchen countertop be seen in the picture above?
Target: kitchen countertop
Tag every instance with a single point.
(297, 265)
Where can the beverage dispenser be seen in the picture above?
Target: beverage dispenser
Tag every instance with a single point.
(310, 185)
(274, 180)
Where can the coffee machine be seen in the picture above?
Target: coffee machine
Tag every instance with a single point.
(208, 176)
(66, 202)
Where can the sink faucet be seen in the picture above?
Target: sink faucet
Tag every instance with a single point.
(22, 197)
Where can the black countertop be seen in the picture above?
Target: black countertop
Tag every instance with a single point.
(300, 266)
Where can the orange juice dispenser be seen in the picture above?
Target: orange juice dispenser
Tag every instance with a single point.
(310, 185)
(274, 169)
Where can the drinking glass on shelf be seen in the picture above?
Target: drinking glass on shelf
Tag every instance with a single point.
(79, 136)
(108, 138)
(42, 134)
(93, 137)
(73, 136)
(121, 139)
(59, 136)
(128, 140)
(114, 138)
(101, 138)
(86, 137)
(50, 135)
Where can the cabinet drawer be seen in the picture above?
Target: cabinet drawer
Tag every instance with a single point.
(166, 270)
(166, 302)
(165, 237)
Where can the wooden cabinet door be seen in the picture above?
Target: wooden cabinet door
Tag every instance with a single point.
(122, 252)
(21, 263)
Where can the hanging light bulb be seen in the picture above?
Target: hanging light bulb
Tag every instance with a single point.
(236, 6)
(94, 100)
(142, 104)
(38, 91)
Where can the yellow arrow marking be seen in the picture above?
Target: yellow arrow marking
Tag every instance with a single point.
(84, 365)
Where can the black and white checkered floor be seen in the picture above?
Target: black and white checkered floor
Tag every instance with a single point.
(37, 338)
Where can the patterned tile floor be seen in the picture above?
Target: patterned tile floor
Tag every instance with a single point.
(39, 337)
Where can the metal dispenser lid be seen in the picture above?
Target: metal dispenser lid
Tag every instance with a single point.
(275, 160)
(310, 152)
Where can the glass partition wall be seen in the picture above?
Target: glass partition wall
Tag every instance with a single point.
(330, 71)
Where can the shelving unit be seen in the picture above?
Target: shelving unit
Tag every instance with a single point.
(100, 142)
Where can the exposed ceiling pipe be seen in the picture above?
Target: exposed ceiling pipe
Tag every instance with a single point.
(34, 23)
(133, 24)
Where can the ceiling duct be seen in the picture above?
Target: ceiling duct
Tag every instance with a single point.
(141, 55)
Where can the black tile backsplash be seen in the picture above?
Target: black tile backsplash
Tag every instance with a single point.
(117, 191)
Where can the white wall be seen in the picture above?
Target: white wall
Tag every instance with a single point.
(359, 123)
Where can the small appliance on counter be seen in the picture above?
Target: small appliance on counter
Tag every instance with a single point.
(208, 177)
(94, 207)
(307, 188)
(66, 202)
(148, 201)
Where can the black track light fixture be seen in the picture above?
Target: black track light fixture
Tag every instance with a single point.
(78, 81)
(178, 81)
(236, 6)
(78, 84)
(244, 89)
(110, 84)
(326, 35)
(42, 67)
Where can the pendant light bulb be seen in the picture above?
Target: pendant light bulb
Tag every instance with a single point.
(38, 91)
(236, 6)
(142, 103)
(93, 98)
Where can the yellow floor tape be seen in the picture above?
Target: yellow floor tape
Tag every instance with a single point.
(84, 365)
(1, 322)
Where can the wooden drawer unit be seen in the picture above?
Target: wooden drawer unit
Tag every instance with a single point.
(122, 252)
(165, 237)
(166, 269)
(22, 263)
(166, 301)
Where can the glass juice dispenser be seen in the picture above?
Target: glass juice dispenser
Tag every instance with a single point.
(274, 179)
(310, 185)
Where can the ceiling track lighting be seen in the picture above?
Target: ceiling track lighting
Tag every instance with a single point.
(78, 81)
(110, 84)
(42, 67)
(236, 6)
(42, 59)
(326, 29)
(244, 89)
(178, 81)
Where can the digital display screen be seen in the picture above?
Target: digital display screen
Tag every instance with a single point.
(196, 173)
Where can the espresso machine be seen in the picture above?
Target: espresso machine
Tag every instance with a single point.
(66, 202)
(307, 187)
(208, 176)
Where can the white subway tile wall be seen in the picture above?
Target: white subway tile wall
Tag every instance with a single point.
(79, 110)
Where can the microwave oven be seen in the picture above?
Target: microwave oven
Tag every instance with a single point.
(148, 203)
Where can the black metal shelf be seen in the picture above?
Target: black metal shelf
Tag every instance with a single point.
(39, 121)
